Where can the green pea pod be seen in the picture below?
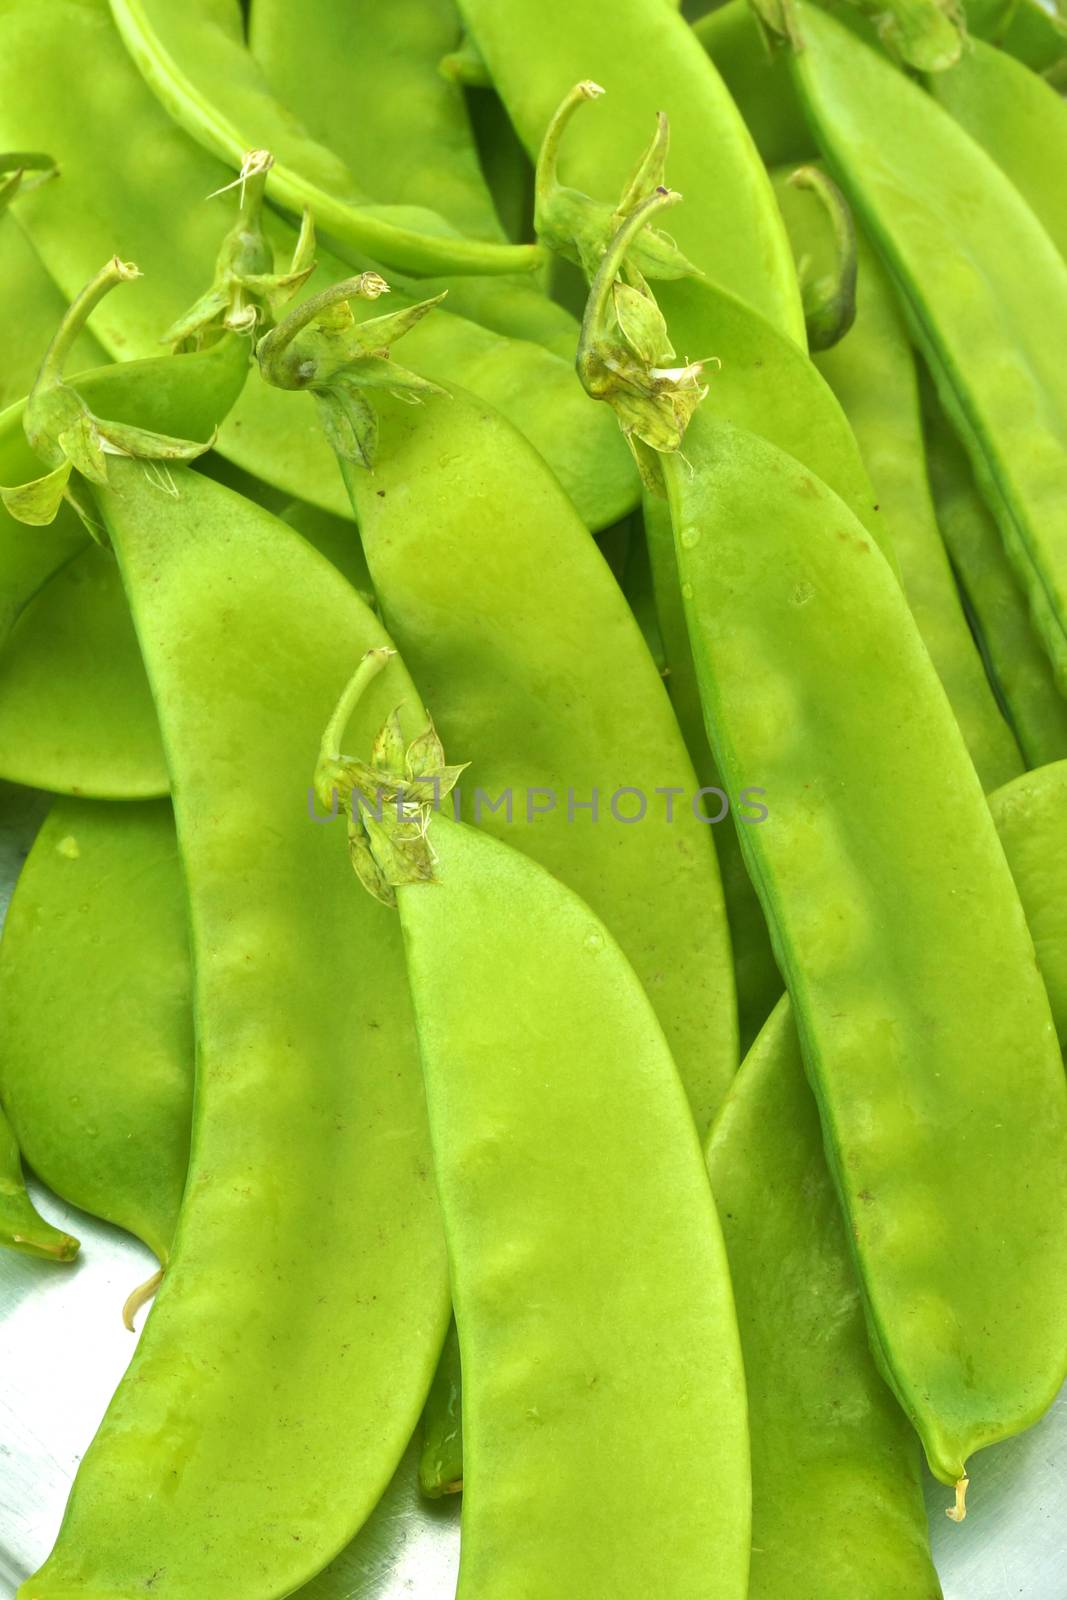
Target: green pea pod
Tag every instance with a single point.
(987, 19)
(34, 307)
(412, 138)
(195, 61)
(872, 372)
(548, 1199)
(520, 637)
(923, 189)
(1035, 34)
(105, 1121)
(508, 170)
(445, 556)
(758, 80)
(1017, 665)
(76, 714)
(310, 1231)
(877, 851)
(650, 63)
(1029, 816)
(96, 946)
(413, 135)
(798, 412)
(815, 1395)
(142, 185)
(1020, 120)
(22, 1228)
(837, 1506)
(638, 588)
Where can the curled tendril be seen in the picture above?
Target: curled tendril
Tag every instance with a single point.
(829, 299)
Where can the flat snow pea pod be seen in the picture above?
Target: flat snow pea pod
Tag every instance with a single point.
(310, 1231)
(1037, 36)
(837, 1506)
(925, 191)
(146, 193)
(797, 623)
(96, 949)
(512, 621)
(412, 137)
(1019, 119)
(872, 372)
(525, 647)
(508, 169)
(394, 1546)
(758, 80)
(1029, 815)
(76, 713)
(196, 62)
(1018, 667)
(794, 617)
(34, 306)
(757, 979)
(553, 1183)
(22, 1227)
(649, 62)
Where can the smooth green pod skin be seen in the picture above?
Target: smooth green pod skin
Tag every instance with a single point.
(758, 81)
(96, 949)
(412, 138)
(508, 170)
(585, 1255)
(195, 61)
(1018, 666)
(816, 1399)
(508, 615)
(187, 396)
(756, 977)
(310, 1232)
(33, 310)
(649, 62)
(22, 1228)
(1029, 815)
(764, 384)
(1036, 35)
(837, 1505)
(141, 186)
(872, 373)
(1019, 119)
(924, 191)
(637, 586)
(899, 934)
(76, 712)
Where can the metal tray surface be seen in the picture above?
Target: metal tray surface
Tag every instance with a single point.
(63, 1349)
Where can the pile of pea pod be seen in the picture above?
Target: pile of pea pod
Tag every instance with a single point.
(542, 895)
